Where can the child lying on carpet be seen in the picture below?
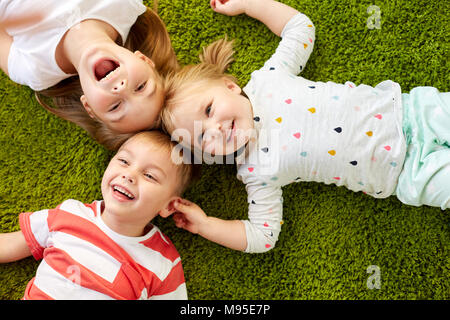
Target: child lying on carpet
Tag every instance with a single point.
(288, 129)
(102, 62)
(108, 249)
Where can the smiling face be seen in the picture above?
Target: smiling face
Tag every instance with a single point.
(139, 183)
(218, 118)
(121, 89)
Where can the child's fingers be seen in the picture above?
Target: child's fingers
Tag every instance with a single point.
(215, 3)
(218, 5)
(183, 205)
(179, 220)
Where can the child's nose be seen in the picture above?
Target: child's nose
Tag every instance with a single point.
(129, 178)
(119, 86)
(212, 125)
(214, 131)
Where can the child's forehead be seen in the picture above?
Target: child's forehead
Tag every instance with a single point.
(150, 150)
(198, 90)
(142, 143)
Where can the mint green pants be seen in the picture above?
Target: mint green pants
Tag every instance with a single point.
(425, 178)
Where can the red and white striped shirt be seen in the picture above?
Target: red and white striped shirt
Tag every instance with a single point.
(84, 259)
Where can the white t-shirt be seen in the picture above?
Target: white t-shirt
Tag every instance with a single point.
(332, 133)
(31, 59)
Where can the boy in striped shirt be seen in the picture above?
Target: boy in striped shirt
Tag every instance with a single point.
(108, 249)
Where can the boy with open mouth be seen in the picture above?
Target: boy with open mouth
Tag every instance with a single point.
(108, 249)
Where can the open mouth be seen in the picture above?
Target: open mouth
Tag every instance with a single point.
(122, 193)
(105, 69)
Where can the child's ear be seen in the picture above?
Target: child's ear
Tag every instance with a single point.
(87, 107)
(143, 57)
(232, 86)
(170, 208)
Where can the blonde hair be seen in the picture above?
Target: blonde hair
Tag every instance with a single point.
(149, 36)
(191, 79)
(185, 170)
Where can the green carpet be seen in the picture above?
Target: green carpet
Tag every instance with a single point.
(331, 235)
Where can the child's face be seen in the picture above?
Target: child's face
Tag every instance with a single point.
(121, 88)
(139, 182)
(219, 119)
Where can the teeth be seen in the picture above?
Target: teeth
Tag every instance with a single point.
(109, 75)
(125, 192)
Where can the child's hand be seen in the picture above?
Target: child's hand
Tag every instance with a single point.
(229, 7)
(189, 216)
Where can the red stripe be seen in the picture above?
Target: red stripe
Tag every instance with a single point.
(63, 221)
(127, 285)
(92, 206)
(158, 243)
(131, 279)
(173, 280)
(34, 293)
(25, 226)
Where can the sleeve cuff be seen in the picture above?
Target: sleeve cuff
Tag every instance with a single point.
(24, 221)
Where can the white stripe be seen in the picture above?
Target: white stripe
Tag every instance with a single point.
(78, 208)
(179, 294)
(88, 255)
(150, 259)
(58, 287)
(39, 227)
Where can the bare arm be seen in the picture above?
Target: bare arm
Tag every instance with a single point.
(5, 45)
(13, 247)
(228, 233)
(273, 14)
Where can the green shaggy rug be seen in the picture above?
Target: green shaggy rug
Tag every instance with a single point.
(334, 242)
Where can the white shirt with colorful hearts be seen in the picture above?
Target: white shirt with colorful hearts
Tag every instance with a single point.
(339, 134)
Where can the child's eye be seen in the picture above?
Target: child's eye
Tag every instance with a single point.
(114, 107)
(148, 175)
(141, 86)
(200, 138)
(123, 161)
(208, 110)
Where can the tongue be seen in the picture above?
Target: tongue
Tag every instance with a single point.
(103, 68)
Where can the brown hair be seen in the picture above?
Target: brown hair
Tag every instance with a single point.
(214, 61)
(149, 36)
(185, 170)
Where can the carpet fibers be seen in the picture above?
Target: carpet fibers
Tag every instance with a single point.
(333, 241)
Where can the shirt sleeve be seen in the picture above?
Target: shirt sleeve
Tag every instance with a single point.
(265, 216)
(295, 47)
(35, 229)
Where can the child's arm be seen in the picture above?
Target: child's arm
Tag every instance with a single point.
(228, 233)
(13, 246)
(273, 14)
(5, 45)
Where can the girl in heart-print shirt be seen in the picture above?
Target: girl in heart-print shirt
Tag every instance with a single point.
(289, 129)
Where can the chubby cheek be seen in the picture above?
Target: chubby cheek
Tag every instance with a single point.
(104, 186)
(97, 100)
(108, 175)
